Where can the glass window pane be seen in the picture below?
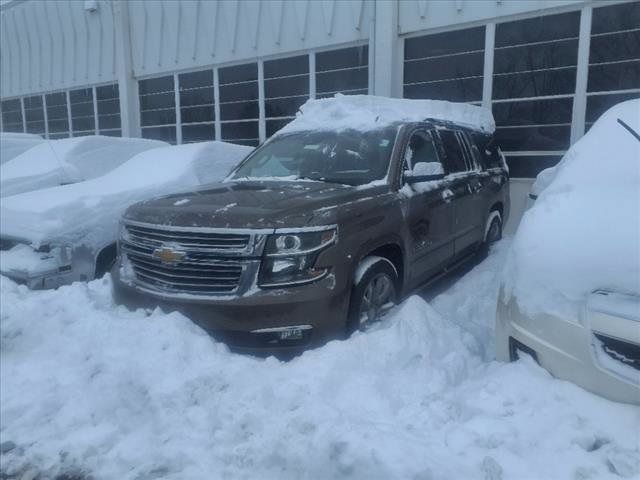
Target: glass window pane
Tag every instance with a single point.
(444, 68)
(541, 138)
(284, 67)
(343, 80)
(538, 29)
(239, 110)
(536, 57)
(197, 114)
(158, 117)
(155, 85)
(82, 114)
(614, 18)
(158, 100)
(107, 107)
(238, 73)
(83, 95)
(535, 84)
(198, 133)
(530, 166)
(202, 78)
(240, 91)
(343, 58)
(533, 112)
(440, 44)
(107, 92)
(460, 90)
(111, 133)
(274, 125)
(168, 134)
(12, 115)
(109, 121)
(196, 96)
(614, 76)
(286, 87)
(454, 155)
(283, 107)
(240, 130)
(614, 47)
(56, 99)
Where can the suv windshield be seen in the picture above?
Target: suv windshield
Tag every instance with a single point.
(349, 157)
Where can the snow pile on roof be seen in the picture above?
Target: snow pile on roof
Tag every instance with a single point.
(69, 212)
(367, 112)
(68, 160)
(13, 144)
(583, 232)
(87, 386)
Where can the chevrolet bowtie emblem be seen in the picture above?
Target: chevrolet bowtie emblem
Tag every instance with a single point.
(168, 255)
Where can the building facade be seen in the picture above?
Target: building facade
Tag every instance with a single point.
(238, 70)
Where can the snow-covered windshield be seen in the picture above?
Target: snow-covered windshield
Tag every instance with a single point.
(348, 157)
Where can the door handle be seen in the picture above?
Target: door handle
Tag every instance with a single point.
(447, 195)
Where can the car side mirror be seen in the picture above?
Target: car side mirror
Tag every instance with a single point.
(425, 172)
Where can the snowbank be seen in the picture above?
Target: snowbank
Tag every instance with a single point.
(367, 112)
(89, 212)
(583, 232)
(68, 160)
(87, 386)
(13, 144)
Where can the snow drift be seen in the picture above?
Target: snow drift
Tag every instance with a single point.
(69, 160)
(583, 232)
(89, 387)
(368, 112)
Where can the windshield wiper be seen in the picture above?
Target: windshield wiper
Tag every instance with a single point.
(629, 129)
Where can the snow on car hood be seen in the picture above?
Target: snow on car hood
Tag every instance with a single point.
(89, 211)
(368, 112)
(13, 144)
(583, 232)
(68, 160)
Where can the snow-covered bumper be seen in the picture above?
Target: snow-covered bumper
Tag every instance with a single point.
(599, 351)
(260, 320)
(37, 269)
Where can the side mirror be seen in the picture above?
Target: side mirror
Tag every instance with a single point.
(425, 172)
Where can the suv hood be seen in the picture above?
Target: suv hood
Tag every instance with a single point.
(253, 204)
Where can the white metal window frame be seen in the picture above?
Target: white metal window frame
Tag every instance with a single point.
(69, 132)
(310, 53)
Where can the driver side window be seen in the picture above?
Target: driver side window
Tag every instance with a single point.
(421, 154)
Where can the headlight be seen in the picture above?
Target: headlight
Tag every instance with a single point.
(290, 256)
(123, 235)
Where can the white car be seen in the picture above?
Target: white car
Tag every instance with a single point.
(59, 235)
(13, 144)
(68, 160)
(571, 292)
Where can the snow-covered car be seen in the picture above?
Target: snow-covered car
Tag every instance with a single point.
(62, 234)
(13, 144)
(68, 160)
(571, 292)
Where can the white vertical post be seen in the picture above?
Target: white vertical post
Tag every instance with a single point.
(24, 117)
(95, 110)
(69, 112)
(127, 84)
(384, 42)
(46, 116)
(262, 124)
(312, 74)
(487, 77)
(216, 104)
(582, 73)
(176, 96)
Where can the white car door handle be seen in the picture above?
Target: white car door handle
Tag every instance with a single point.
(447, 195)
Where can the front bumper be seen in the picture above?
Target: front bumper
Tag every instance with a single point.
(568, 349)
(261, 320)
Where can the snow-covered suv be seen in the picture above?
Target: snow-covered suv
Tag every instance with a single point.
(353, 204)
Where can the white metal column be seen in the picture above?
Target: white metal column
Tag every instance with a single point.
(216, 104)
(45, 116)
(262, 124)
(582, 73)
(384, 43)
(312, 74)
(68, 97)
(489, 46)
(176, 97)
(127, 84)
(96, 127)
(24, 117)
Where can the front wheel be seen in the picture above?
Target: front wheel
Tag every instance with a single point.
(373, 294)
(493, 232)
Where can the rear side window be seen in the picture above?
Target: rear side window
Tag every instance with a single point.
(454, 161)
(489, 152)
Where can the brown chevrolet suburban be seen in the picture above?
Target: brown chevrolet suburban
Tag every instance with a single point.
(316, 233)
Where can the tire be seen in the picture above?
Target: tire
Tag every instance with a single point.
(105, 261)
(493, 232)
(376, 287)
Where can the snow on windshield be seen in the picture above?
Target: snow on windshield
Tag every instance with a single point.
(367, 112)
(583, 231)
(94, 207)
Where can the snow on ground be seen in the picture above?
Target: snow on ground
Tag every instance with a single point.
(90, 387)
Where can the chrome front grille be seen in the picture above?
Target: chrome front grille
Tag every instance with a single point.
(196, 261)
